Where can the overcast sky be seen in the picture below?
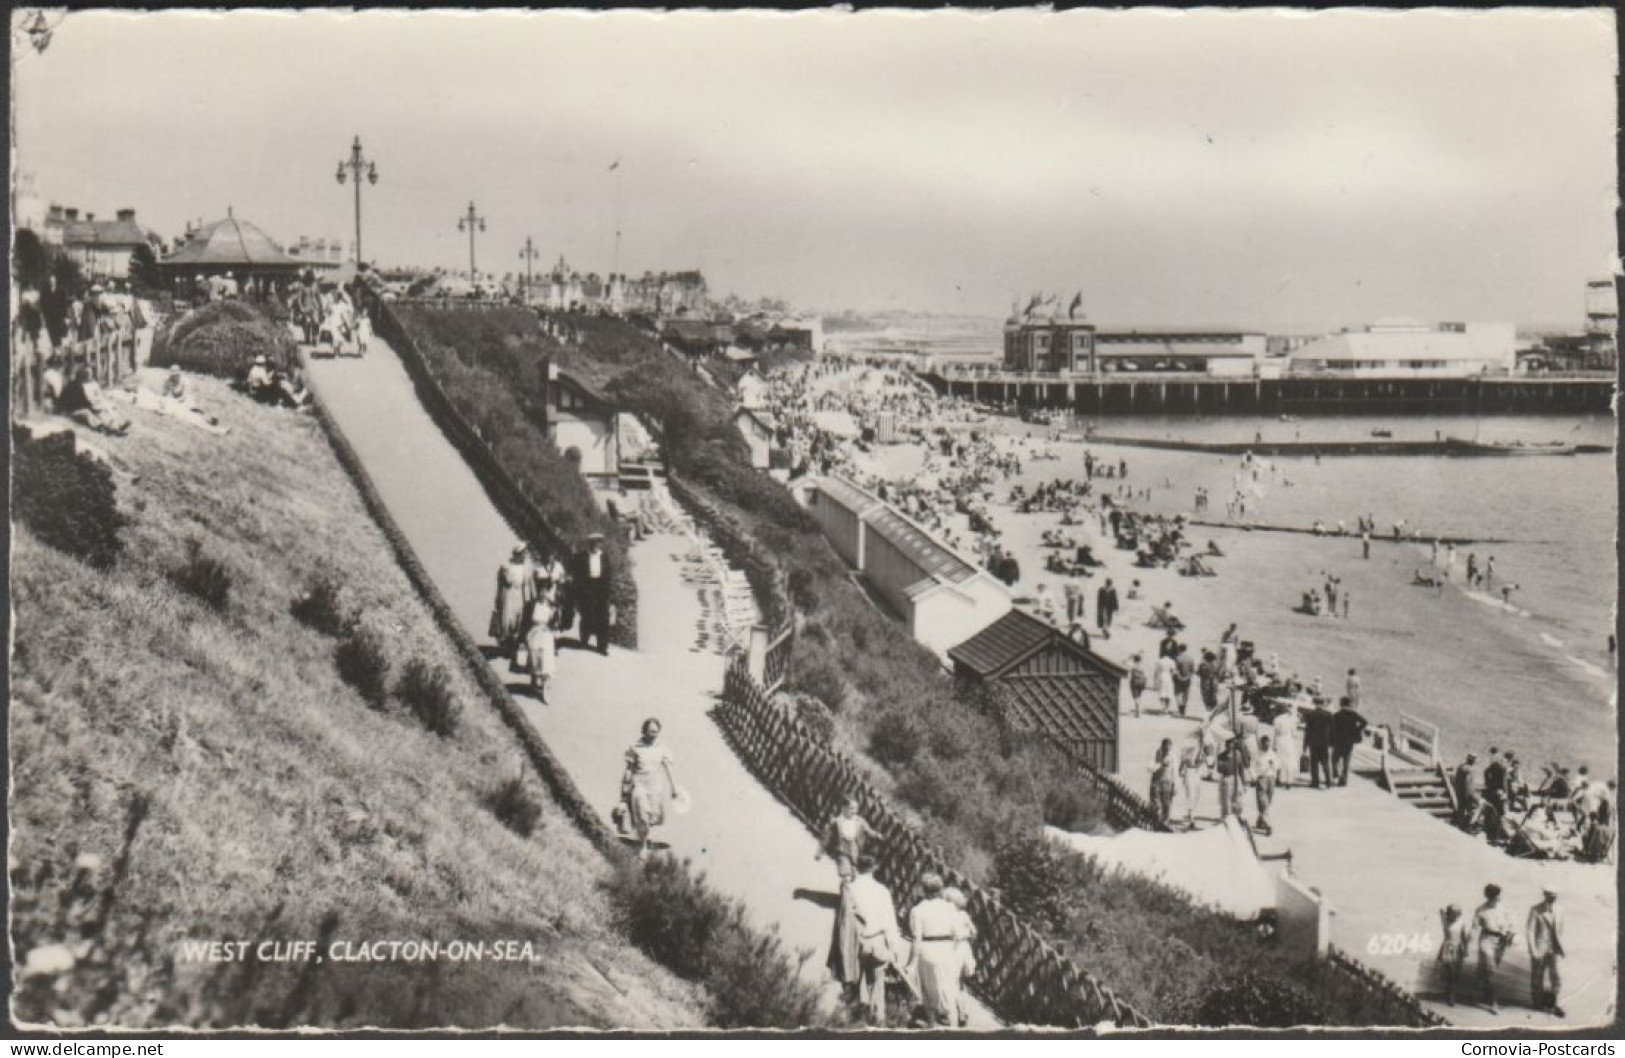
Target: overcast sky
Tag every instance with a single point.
(1273, 170)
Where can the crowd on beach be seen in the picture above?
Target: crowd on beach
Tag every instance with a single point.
(1250, 709)
(1563, 814)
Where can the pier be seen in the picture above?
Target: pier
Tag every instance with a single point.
(1200, 394)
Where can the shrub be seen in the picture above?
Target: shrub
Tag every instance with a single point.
(929, 788)
(816, 675)
(803, 588)
(896, 739)
(361, 664)
(425, 690)
(1073, 807)
(65, 498)
(514, 806)
(1028, 872)
(817, 718)
(701, 935)
(222, 339)
(203, 578)
(1264, 1000)
(319, 607)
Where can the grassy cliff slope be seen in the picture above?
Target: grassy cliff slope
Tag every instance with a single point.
(187, 773)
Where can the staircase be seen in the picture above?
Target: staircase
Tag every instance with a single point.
(640, 477)
(1425, 788)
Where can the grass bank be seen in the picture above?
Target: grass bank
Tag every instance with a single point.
(931, 744)
(186, 772)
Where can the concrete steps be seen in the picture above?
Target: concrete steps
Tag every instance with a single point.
(1423, 788)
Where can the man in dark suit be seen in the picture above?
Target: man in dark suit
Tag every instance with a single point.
(1347, 728)
(1106, 607)
(1317, 738)
(590, 586)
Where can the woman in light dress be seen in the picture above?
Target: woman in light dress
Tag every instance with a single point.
(1285, 729)
(515, 583)
(1195, 762)
(966, 942)
(541, 646)
(936, 957)
(648, 785)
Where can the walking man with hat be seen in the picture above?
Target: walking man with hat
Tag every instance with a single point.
(1545, 929)
(593, 576)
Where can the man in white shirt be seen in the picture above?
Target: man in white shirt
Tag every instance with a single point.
(880, 941)
(1265, 767)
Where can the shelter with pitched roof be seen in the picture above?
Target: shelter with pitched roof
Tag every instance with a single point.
(1045, 684)
(939, 594)
(230, 246)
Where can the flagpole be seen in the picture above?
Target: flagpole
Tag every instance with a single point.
(617, 168)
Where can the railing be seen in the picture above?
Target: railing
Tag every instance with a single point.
(776, 667)
(510, 498)
(1364, 978)
(1020, 975)
(1124, 807)
(766, 581)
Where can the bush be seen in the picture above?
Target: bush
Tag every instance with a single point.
(816, 717)
(514, 806)
(1073, 807)
(1263, 1000)
(701, 935)
(425, 690)
(896, 739)
(819, 677)
(1028, 872)
(203, 578)
(803, 587)
(222, 339)
(65, 498)
(361, 663)
(319, 608)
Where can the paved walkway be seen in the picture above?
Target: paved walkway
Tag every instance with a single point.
(747, 843)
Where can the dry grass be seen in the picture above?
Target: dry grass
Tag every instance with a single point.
(275, 793)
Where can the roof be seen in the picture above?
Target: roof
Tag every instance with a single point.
(932, 558)
(1015, 637)
(583, 389)
(848, 495)
(1164, 346)
(689, 330)
(1408, 345)
(1001, 644)
(1077, 707)
(116, 233)
(232, 242)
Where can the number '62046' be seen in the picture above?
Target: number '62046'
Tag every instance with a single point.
(1399, 944)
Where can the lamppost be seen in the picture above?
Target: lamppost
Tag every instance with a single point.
(358, 167)
(470, 222)
(528, 255)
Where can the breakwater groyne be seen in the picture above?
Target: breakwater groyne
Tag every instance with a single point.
(1448, 446)
(1303, 530)
(1194, 394)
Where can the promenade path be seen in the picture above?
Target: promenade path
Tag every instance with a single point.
(748, 844)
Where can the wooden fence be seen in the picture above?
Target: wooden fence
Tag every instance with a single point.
(511, 499)
(1363, 978)
(776, 667)
(1020, 975)
(111, 355)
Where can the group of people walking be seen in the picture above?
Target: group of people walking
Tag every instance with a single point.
(868, 947)
(538, 597)
(1489, 934)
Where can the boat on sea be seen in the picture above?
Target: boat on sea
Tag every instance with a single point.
(1382, 433)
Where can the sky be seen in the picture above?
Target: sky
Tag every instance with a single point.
(1266, 169)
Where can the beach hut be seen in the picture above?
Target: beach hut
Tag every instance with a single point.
(1046, 684)
(580, 418)
(759, 430)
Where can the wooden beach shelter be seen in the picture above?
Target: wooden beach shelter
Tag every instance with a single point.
(1046, 684)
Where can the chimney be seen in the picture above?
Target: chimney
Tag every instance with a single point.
(127, 215)
(71, 214)
(89, 217)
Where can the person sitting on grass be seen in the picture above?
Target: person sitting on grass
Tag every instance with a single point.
(82, 401)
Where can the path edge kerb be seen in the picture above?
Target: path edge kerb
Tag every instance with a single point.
(548, 767)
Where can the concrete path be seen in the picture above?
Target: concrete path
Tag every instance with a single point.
(747, 843)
